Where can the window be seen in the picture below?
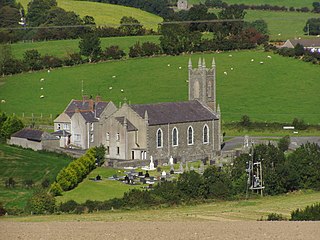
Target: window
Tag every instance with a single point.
(58, 126)
(118, 136)
(91, 126)
(107, 150)
(77, 137)
(205, 134)
(190, 135)
(118, 150)
(91, 137)
(159, 138)
(107, 136)
(175, 140)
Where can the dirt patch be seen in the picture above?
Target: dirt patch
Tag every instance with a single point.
(161, 230)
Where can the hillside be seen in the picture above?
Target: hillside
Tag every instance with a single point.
(280, 89)
(24, 164)
(107, 14)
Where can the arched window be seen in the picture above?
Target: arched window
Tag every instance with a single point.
(205, 134)
(175, 137)
(190, 135)
(159, 138)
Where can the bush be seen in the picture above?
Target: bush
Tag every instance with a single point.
(69, 206)
(45, 183)
(245, 121)
(41, 202)
(2, 210)
(29, 183)
(299, 124)
(310, 213)
(10, 183)
(284, 143)
(113, 52)
(276, 217)
(79, 209)
(56, 189)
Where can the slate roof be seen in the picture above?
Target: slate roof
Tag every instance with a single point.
(306, 42)
(84, 106)
(89, 116)
(28, 133)
(174, 112)
(131, 127)
(61, 133)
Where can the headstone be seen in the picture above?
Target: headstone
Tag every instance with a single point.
(147, 174)
(163, 174)
(175, 161)
(187, 167)
(171, 161)
(140, 174)
(191, 168)
(181, 168)
(98, 177)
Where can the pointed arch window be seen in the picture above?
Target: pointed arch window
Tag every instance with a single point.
(205, 134)
(175, 137)
(159, 138)
(190, 135)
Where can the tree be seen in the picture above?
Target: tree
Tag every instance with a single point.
(284, 143)
(10, 126)
(312, 26)
(38, 11)
(190, 184)
(135, 50)
(316, 7)
(131, 26)
(32, 59)
(150, 49)
(100, 153)
(55, 189)
(260, 25)
(245, 121)
(299, 50)
(90, 46)
(5, 57)
(114, 52)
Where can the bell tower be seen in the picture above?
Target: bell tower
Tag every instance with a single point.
(202, 83)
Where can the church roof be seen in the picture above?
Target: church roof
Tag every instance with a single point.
(174, 112)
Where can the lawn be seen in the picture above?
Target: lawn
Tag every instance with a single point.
(252, 209)
(24, 164)
(97, 190)
(280, 89)
(61, 48)
(287, 3)
(107, 14)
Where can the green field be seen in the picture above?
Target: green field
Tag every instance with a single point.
(61, 48)
(287, 3)
(278, 90)
(252, 209)
(107, 14)
(24, 164)
(281, 25)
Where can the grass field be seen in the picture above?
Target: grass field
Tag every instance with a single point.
(23, 164)
(287, 3)
(278, 90)
(281, 25)
(107, 14)
(252, 209)
(61, 48)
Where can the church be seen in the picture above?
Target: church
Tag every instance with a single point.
(187, 131)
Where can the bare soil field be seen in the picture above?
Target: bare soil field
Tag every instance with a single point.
(217, 230)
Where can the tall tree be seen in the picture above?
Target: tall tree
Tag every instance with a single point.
(131, 26)
(90, 46)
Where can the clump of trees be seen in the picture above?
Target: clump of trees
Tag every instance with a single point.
(9, 125)
(309, 213)
(70, 176)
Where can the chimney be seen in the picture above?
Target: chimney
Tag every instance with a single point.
(98, 99)
(84, 98)
(91, 105)
(77, 110)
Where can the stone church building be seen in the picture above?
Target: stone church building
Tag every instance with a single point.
(187, 130)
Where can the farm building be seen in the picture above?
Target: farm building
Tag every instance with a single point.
(34, 139)
(311, 44)
(184, 130)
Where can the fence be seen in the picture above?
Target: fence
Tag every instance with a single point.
(39, 120)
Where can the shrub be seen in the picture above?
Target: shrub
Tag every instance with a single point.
(2, 210)
(310, 213)
(114, 52)
(10, 183)
(29, 183)
(69, 206)
(45, 183)
(299, 124)
(41, 202)
(56, 189)
(245, 121)
(276, 217)
(79, 209)
(284, 143)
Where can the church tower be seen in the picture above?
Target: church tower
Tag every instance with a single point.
(202, 83)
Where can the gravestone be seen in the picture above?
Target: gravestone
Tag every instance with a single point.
(147, 174)
(187, 167)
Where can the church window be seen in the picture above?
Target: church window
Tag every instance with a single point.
(91, 137)
(190, 135)
(196, 90)
(175, 139)
(118, 150)
(205, 134)
(209, 89)
(159, 138)
(91, 126)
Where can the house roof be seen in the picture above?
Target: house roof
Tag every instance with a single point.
(33, 135)
(314, 42)
(131, 127)
(85, 106)
(174, 112)
(61, 133)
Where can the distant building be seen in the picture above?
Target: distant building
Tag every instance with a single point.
(182, 4)
(34, 139)
(310, 44)
(187, 130)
